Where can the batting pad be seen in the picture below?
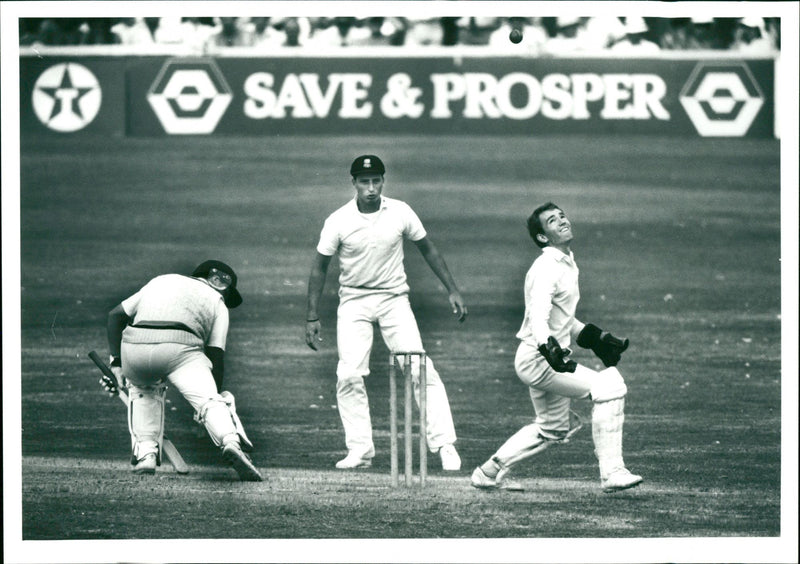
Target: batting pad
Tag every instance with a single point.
(247, 445)
(146, 419)
(216, 417)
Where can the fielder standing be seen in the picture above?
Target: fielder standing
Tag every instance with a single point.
(549, 326)
(174, 329)
(368, 233)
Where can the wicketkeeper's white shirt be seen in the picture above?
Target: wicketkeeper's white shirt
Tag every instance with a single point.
(370, 245)
(551, 297)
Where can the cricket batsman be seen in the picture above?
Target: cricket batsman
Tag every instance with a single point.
(548, 329)
(174, 329)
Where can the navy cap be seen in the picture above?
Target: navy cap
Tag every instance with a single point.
(233, 297)
(367, 163)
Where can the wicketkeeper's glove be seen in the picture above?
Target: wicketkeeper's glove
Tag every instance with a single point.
(555, 356)
(606, 346)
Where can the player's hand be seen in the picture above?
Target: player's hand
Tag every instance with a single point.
(606, 346)
(313, 330)
(458, 306)
(556, 356)
(112, 386)
(609, 349)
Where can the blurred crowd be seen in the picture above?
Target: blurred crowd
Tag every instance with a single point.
(540, 35)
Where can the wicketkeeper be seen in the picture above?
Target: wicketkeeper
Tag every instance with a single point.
(548, 329)
(174, 330)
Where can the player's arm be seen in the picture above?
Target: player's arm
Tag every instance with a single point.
(436, 262)
(606, 346)
(217, 340)
(217, 357)
(316, 283)
(540, 289)
(117, 321)
(539, 294)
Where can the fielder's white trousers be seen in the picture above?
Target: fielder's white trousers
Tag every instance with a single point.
(392, 312)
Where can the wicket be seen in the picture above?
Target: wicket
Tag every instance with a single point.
(408, 420)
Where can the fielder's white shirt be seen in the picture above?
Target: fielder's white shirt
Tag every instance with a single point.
(177, 299)
(370, 245)
(551, 297)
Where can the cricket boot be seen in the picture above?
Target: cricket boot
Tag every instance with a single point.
(451, 462)
(483, 481)
(146, 465)
(355, 460)
(621, 479)
(233, 455)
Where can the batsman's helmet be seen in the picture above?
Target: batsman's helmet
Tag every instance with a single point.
(367, 163)
(232, 296)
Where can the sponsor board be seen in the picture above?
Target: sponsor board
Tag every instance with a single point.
(264, 96)
(189, 96)
(722, 99)
(66, 97)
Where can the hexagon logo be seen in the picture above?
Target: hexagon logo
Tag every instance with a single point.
(189, 96)
(66, 97)
(722, 99)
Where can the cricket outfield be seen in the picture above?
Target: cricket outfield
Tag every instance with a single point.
(679, 245)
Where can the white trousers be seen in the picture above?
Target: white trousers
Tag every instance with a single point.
(185, 367)
(392, 313)
(552, 392)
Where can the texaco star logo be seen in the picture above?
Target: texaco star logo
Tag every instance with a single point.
(66, 97)
(189, 96)
(722, 99)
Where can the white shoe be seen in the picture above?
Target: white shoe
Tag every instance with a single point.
(233, 455)
(620, 479)
(481, 481)
(451, 462)
(354, 460)
(146, 465)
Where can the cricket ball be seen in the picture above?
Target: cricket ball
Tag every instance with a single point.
(515, 36)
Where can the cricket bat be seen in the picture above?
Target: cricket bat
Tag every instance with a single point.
(168, 446)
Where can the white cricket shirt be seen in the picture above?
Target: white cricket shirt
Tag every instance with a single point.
(370, 245)
(174, 299)
(551, 297)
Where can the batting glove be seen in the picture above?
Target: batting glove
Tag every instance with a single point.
(109, 385)
(112, 385)
(555, 356)
(606, 346)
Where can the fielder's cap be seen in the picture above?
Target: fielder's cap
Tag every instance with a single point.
(232, 298)
(367, 163)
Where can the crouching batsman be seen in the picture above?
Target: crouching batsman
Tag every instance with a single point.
(549, 326)
(174, 330)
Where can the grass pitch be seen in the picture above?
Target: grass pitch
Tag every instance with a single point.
(678, 241)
